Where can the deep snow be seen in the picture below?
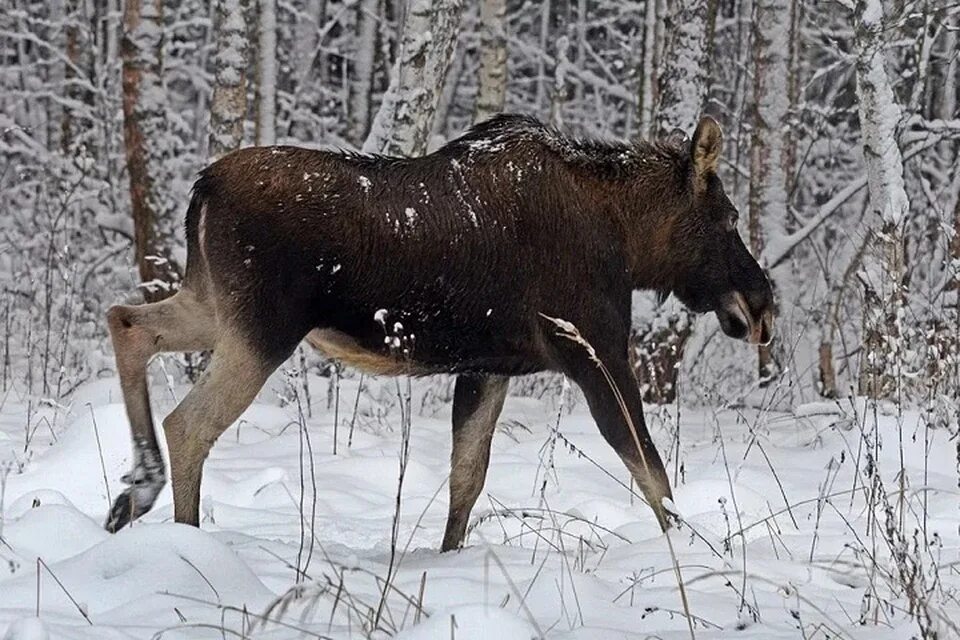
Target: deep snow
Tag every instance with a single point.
(559, 546)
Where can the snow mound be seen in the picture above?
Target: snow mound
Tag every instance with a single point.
(53, 532)
(27, 629)
(129, 572)
(471, 622)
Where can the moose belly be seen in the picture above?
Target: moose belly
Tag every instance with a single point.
(340, 346)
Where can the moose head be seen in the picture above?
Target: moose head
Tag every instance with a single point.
(716, 271)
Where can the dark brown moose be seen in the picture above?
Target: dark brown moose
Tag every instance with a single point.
(447, 263)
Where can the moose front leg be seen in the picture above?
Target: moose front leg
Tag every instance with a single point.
(611, 401)
(477, 402)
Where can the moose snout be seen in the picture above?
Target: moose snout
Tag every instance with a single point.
(740, 319)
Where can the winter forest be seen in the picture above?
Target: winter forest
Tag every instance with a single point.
(816, 479)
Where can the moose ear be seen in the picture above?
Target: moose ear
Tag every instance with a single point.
(707, 143)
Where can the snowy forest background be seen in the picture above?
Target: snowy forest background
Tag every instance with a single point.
(110, 109)
(842, 135)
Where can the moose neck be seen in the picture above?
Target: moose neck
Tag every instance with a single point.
(646, 201)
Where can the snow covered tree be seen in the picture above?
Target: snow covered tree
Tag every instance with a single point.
(769, 155)
(883, 270)
(229, 104)
(145, 136)
(368, 16)
(648, 70)
(404, 121)
(266, 132)
(492, 81)
(659, 346)
(686, 64)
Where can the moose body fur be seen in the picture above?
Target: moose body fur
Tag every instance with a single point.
(442, 264)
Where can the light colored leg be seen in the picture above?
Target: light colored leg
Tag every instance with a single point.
(228, 386)
(477, 402)
(179, 323)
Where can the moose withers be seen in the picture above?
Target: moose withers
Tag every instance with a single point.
(448, 263)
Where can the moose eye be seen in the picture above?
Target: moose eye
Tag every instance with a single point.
(732, 220)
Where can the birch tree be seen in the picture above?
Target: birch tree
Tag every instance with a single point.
(229, 104)
(769, 155)
(266, 132)
(362, 87)
(686, 64)
(659, 346)
(145, 136)
(884, 261)
(403, 123)
(648, 72)
(492, 82)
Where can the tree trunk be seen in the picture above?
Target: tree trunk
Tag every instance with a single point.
(266, 132)
(768, 145)
(558, 96)
(363, 67)
(948, 108)
(404, 121)
(228, 107)
(145, 134)
(658, 347)
(884, 260)
(648, 73)
(686, 57)
(492, 82)
(73, 63)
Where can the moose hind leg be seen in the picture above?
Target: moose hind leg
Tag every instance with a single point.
(179, 323)
(477, 402)
(236, 373)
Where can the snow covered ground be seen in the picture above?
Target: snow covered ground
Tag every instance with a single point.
(557, 546)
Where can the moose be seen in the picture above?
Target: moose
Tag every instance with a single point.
(454, 263)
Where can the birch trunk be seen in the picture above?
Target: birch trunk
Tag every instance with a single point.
(768, 145)
(404, 121)
(648, 79)
(949, 105)
(362, 87)
(658, 347)
(686, 57)
(884, 261)
(145, 136)
(492, 89)
(228, 106)
(266, 133)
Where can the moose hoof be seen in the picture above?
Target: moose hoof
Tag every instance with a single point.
(132, 503)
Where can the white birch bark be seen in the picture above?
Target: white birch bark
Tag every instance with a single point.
(884, 263)
(659, 346)
(541, 64)
(492, 89)
(948, 109)
(769, 157)
(228, 106)
(558, 96)
(768, 149)
(266, 133)
(362, 87)
(404, 121)
(648, 80)
(683, 77)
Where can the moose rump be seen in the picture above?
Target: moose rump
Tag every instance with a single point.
(442, 264)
